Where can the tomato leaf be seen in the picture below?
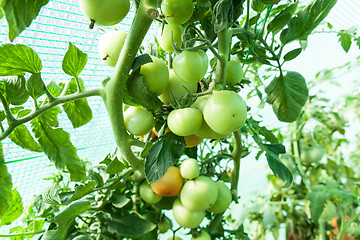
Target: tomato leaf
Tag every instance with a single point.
(345, 40)
(19, 14)
(292, 54)
(74, 61)
(17, 59)
(5, 186)
(263, 131)
(15, 209)
(279, 21)
(13, 89)
(287, 94)
(78, 111)
(318, 200)
(22, 137)
(163, 154)
(56, 144)
(225, 13)
(82, 190)
(128, 225)
(306, 20)
(35, 86)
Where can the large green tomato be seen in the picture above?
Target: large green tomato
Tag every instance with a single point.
(185, 217)
(234, 73)
(189, 168)
(311, 154)
(105, 13)
(138, 120)
(225, 112)
(177, 11)
(184, 121)
(223, 200)
(165, 34)
(205, 131)
(191, 66)
(199, 194)
(110, 45)
(147, 194)
(202, 236)
(155, 75)
(178, 87)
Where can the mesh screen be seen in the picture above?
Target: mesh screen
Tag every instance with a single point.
(58, 23)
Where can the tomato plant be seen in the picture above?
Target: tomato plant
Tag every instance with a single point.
(202, 88)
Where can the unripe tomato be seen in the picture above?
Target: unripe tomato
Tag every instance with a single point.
(311, 154)
(202, 236)
(225, 112)
(199, 194)
(234, 73)
(185, 217)
(165, 34)
(105, 13)
(184, 121)
(189, 168)
(155, 75)
(191, 66)
(147, 194)
(223, 200)
(110, 45)
(178, 87)
(170, 184)
(193, 140)
(205, 131)
(177, 11)
(138, 120)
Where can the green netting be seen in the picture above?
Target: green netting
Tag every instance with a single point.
(59, 22)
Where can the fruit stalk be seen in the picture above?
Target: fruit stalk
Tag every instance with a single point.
(224, 42)
(114, 89)
(236, 171)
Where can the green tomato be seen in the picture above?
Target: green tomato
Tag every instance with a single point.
(205, 131)
(223, 200)
(189, 168)
(234, 73)
(184, 121)
(199, 194)
(185, 217)
(191, 66)
(147, 194)
(155, 75)
(105, 13)
(176, 86)
(225, 112)
(110, 45)
(177, 11)
(138, 120)
(202, 236)
(165, 34)
(311, 154)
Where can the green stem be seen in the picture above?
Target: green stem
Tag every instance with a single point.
(21, 234)
(342, 225)
(47, 106)
(214, 223)
(78, 84)
(224, 42)
(322, 229)
(236, 171)
(114, 89)
(9, 117)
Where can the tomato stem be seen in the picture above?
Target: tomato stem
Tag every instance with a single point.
(224, 42)
(236, 171)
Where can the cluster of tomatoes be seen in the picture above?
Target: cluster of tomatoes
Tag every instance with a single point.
(195, 193)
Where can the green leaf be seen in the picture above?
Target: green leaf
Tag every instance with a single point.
(128, 225)
(225, 12)
(56, 144)
(163, 154)
(137, 94)
(74, 61)
(115, 166)
(35, 86)
(22, 137)
(292, 54)
(141, 60)
(279, 21)
(54, 89)
(65, 219)
(5, 185)
(82, 190)
(51, 194)
(287, 94)
(13, 89)
(357, 40)
(306, 20)
(78, 111)
(317, 203)
(119, 200)
(17, 59)
(19, 14)
(345, 40)
(15, 209)
(263, 131)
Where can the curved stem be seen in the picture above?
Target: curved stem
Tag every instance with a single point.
(235, 175)
(21, 234)
(47, 106)
(114, 89)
